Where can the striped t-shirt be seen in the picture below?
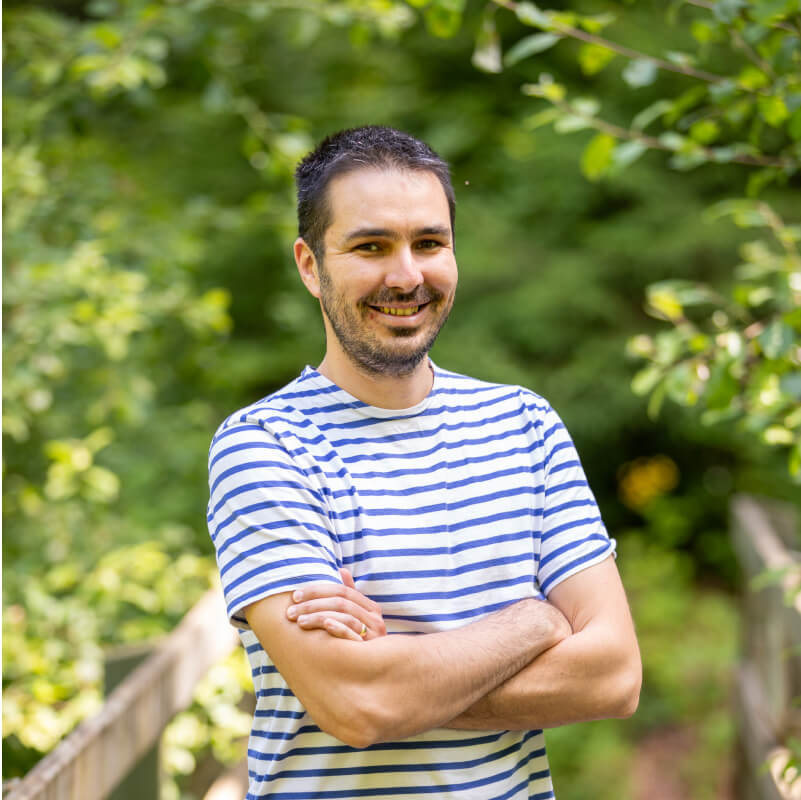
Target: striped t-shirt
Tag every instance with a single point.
(444, 512)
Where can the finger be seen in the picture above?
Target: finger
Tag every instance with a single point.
(321, 619)
(341, 631)
(316, 591)
(339, 605)
(347, 578)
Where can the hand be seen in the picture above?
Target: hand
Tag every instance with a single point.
(339, 609)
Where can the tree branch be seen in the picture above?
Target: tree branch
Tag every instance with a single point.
(652, 142)
(628, 52)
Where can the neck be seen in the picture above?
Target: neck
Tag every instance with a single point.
(382, 391)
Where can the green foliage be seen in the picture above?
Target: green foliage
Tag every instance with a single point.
(150, 291)
(132, 152)
(740, 356)
(734, 354)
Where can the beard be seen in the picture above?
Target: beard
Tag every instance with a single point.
(397, 357)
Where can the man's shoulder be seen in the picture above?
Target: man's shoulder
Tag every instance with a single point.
(284, 406)
(454, 384)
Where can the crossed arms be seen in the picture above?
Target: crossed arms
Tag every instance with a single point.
(533, 664)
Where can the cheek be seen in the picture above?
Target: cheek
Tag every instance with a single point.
(444, 278)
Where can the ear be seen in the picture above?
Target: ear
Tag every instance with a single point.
(307, 266)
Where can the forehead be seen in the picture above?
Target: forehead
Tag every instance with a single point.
(382, 198)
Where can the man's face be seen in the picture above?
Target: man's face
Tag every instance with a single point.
(388, 276)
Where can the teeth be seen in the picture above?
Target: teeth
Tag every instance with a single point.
(399, 312)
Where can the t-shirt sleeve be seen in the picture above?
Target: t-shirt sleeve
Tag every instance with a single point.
(267, 518)
(573, 534)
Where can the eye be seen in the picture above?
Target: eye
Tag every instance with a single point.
(429, 244)
(368, 247)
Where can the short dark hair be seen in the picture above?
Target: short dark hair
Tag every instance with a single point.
(373, 146)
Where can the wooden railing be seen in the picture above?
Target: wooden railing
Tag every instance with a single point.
(768, 687)
(101, 751)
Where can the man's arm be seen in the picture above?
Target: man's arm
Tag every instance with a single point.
(396, 686)
(594, 674)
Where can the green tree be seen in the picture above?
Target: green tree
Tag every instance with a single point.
(113, 327)
(734, 350)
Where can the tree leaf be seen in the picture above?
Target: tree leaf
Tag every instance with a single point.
(728, 10)
(650, 113)
(529, 14)
(597, 156)
(705, 131)
(529, 45)
(487, 53)
(627, 153)
(569, 123)
(640, 72)
(777, 340)
(772, 109)
(593, 58)
(545, 117)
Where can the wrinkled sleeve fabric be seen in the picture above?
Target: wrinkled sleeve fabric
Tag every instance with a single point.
(573, 534)
(267, 518)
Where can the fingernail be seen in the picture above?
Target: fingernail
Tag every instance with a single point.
(292, 612)
(302, 620)
(297, 596)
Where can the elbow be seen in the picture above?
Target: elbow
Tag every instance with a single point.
(628, 693)
(358, 721)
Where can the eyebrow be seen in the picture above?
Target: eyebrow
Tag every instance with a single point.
(386, 233)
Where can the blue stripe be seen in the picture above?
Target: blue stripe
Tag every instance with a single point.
(444, 527)
(447, 485)
(249, 487)
(268, 568)
(449, 573)
(248, 465)
(262, 591)
(263, 506)
(463, 592)
(434, 551)
(551, 510)
(605, 550)
(271, 545)
(339, 749)
(462, 462)
(452, 505)
(437, 788)
(271, 526)
(456, 615)
(388, 769)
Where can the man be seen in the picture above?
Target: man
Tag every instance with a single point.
(380, 492)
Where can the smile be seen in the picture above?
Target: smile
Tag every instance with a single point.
(398, 312)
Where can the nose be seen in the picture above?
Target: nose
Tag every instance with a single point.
(404, 273)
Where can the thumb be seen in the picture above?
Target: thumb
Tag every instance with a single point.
(347, 578)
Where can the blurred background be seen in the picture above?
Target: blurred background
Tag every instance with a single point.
(627, 235)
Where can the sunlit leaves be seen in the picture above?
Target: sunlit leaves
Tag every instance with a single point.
(528, 46)
(640, 72)
(742, 363)
(592, 58)
(597, 156)
(487, 53)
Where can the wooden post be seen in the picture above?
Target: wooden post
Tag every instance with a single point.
(769, 677)
(145, 777)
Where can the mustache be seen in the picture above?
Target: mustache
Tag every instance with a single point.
(420, 296)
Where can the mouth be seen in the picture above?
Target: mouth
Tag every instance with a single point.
(399, 311)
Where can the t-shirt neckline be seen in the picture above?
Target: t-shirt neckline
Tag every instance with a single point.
(311, 376)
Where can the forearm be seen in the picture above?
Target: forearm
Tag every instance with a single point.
(397, 686)
(586, 676)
